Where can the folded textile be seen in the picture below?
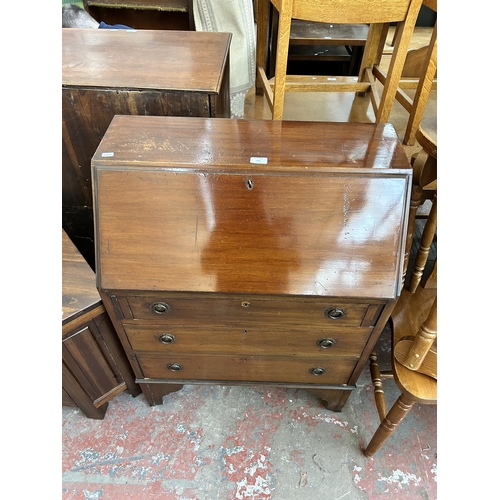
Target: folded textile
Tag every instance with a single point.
(236, 17)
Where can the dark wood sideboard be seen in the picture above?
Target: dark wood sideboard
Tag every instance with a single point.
(94, 365)
(120, 72)
(249, 251)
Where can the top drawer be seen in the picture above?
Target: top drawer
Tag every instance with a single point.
(200, 309)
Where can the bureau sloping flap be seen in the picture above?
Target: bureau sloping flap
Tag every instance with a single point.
(294, 231)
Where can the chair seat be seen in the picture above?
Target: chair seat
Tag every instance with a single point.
(409, 313)
(427, 135)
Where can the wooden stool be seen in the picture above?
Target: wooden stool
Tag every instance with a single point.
(94, 365)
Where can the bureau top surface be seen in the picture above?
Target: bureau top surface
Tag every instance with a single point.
(79, 291)
(144, 59)
(250, 206)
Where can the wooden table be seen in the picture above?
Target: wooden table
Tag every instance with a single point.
(249, 252)
(94, 365)
(112, 72)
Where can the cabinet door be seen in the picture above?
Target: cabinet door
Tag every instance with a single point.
(90, 376)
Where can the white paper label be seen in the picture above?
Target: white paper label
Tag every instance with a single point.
(258, 160)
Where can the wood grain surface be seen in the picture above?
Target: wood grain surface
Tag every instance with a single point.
(144, 59)
(182, 207)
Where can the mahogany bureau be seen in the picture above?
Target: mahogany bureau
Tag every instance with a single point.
(121, 72)
(94, 365)
(248, 251)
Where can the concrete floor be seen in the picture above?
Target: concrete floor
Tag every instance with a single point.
(259, 443)
(218, 443)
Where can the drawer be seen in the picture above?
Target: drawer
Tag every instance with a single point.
(247, 368)
(318, 341)
(245, 311)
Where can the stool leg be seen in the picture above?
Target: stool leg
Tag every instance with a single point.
(416, 198)
(395, 416)
(284, 26)
(424, 248)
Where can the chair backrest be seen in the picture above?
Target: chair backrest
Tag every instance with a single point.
(349, 11)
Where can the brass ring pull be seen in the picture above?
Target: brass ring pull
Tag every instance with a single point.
(334, 313)
(326, 343)
(160, 307)
(317, 371)
(166, 338)
(174, 367)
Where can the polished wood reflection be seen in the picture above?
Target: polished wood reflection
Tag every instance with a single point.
(322, 217)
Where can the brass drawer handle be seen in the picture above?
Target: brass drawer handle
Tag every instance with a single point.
(326, 343)
(160, 307)
(166, 338)
(174, 367)
(334, 313)
(317, 371)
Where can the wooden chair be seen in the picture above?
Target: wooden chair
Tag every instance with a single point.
(419, 73)
(414, 318)
(403, 12)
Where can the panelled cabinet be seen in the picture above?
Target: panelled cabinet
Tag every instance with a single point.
(94, 365)
(249, 252)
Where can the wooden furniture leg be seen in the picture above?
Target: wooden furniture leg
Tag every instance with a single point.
(154, 392)
(262, 41)
(416, 199)
(378, 387)
(395, 416)
(424, 248)
(334, 398)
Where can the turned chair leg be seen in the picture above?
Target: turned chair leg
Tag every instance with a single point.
(395, 416)
(377, 386)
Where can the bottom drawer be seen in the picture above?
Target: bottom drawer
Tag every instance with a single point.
(248, 368)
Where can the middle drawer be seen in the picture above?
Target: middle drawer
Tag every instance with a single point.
(250, 340)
